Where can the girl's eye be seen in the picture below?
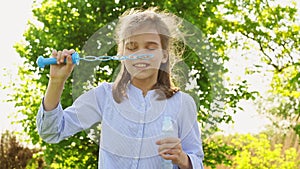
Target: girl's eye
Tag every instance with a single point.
(152, 47)
(131, 46)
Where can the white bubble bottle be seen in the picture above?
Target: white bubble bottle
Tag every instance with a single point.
(167, 131)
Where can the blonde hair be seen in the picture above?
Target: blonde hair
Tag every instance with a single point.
(166, 25)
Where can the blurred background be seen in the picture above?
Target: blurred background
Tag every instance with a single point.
(257, 46)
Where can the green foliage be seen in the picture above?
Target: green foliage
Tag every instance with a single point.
(271, 148)
(70, 23)
(287, 137)
(223, 157)
(258, 153)
(272, 28)
(284, 99)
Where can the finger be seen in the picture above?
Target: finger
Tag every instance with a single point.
(176, 157)
(58, 58)
(168, 140)
(170, 157)
(65, 53)
(163, 151)
(71, 51)
(69, 65)
(174, 151)
(166, 147)
(171, 148)
(54, 53)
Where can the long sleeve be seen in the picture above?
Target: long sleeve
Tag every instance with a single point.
(58, 124)
(189, 132)
(49, 124)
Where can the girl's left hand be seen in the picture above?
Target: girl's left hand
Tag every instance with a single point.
(170, 149)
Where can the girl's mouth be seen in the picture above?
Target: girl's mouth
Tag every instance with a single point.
(141, 65)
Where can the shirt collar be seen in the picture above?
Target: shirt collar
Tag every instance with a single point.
(136, 92)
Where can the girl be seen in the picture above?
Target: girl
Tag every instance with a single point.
(135, 109)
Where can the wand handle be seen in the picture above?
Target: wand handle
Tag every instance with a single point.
(42, 62)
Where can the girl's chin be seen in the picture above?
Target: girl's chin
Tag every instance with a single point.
(143, 75)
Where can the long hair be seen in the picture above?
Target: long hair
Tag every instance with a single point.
(129, 22)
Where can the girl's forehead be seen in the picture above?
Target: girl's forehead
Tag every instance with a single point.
(144, 37)
(139, 30)
(143, 34)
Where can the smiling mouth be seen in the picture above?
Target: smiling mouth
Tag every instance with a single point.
(141, 65)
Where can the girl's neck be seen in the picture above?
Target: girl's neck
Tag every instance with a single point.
(144, 84)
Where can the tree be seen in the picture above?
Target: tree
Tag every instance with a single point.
(69, 24)
(283, 100)
(273, 29)
(15, 155)
(256, 152)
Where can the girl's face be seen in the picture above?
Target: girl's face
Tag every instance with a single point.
(145, 41)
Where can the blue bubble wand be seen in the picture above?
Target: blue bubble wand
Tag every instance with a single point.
(42, 62)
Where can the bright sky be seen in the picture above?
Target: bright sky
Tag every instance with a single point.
(14, 15)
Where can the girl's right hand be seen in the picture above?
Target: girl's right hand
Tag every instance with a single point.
(61, 71)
